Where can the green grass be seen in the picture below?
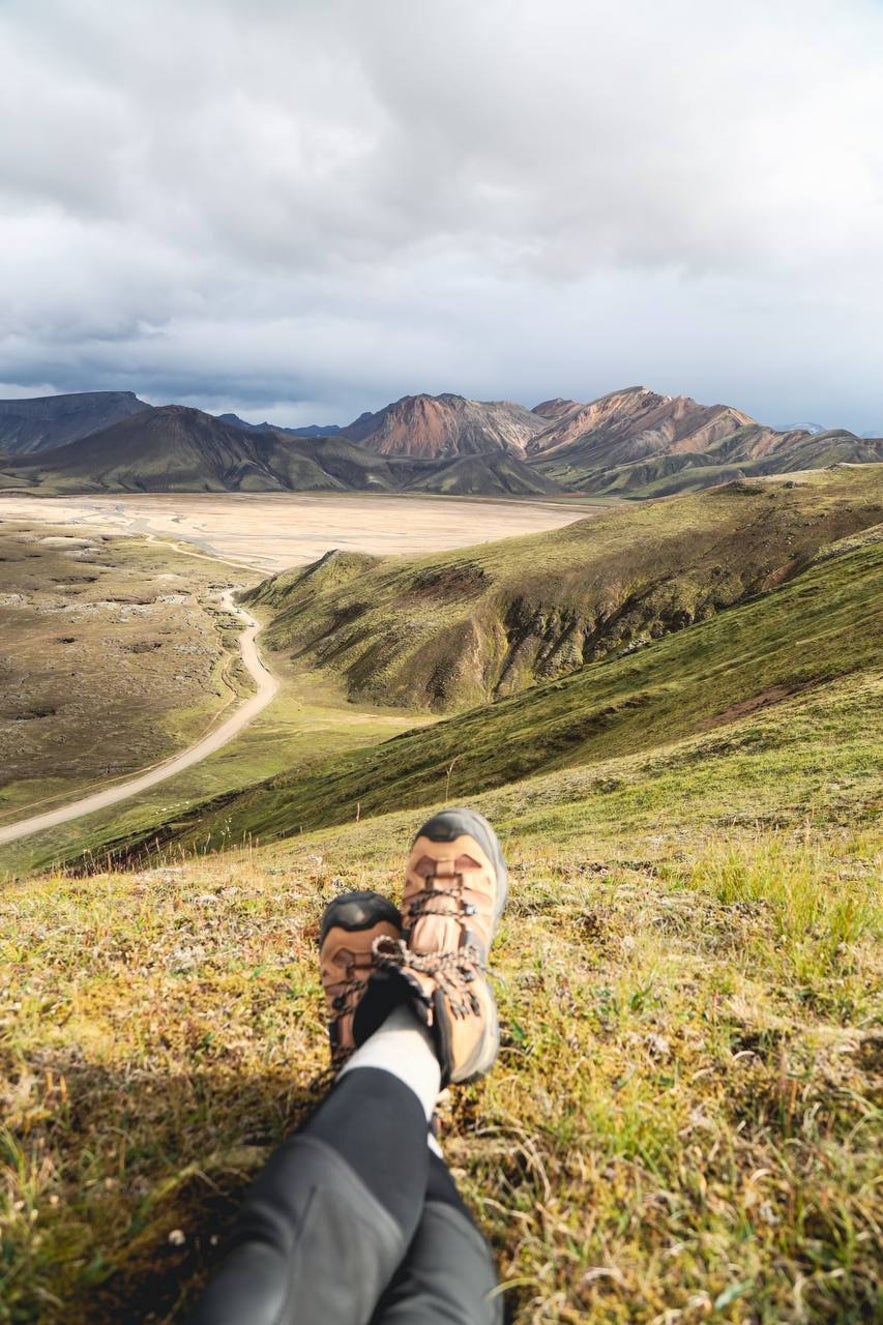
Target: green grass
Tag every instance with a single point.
(684, 1123)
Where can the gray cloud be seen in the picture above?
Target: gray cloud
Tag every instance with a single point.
(320, 207)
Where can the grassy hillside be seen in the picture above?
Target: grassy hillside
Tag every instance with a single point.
(454, 631)
(787, 645)
(486, 475)
(309, 722)
(684, 1123)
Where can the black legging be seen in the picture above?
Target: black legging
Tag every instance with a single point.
(355, 1221)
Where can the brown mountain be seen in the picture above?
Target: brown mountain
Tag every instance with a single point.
(445, 426)
(41, 422)
(556, 408)
(629, 425)
(638, 443)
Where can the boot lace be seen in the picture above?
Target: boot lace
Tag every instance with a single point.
(419, 904)
(345, 1002)
(453, 972)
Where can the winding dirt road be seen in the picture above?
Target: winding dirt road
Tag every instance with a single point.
(267, 686)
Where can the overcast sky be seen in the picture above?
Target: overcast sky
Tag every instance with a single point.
(300, 209)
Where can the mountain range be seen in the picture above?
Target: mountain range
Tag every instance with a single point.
(630, 443)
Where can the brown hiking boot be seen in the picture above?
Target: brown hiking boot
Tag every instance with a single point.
(454, 894)
(350, 926)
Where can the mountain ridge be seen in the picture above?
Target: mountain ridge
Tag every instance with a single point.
(436, 427)
(633, 443)
(176, 448)
(40, 422)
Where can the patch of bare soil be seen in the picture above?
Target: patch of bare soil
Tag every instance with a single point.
(766, 698)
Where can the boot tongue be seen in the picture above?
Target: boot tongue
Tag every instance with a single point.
(436, 933)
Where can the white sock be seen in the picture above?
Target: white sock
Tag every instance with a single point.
(434, 1145)
(403, 1047)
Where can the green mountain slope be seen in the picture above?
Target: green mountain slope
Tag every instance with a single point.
(668, 475)
(486, 475)
(453, 631)
(700, 685)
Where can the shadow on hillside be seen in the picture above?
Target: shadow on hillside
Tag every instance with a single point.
(193, 1143)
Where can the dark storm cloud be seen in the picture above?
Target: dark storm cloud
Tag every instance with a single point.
(315, 208)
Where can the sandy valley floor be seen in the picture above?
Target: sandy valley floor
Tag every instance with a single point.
(272, 531)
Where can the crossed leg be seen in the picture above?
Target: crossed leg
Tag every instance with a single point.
(354, 1220)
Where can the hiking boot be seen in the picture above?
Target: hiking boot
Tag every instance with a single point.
(454, 894)
(350, 926)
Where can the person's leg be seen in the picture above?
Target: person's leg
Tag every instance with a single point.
(447, 1276)
(330, 1218)
(319, 1236)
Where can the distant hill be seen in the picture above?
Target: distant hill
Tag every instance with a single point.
(556, 408)
(179, 449)
(43, 422)
(629, 425)
(485, 475)
(312, 429)
(810, 427)
(444, 426)
(637, 443)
